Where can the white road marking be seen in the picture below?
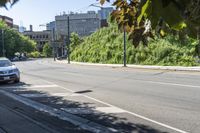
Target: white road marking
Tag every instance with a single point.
(77, 121)
(27, 87)
(107, 110)
(129, 112)
(30, 95)
(34, 95)
(80, 111)
(174, 84)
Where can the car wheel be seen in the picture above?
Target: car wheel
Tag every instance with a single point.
(17, 81)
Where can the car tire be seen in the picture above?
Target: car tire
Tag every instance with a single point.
(17, 81)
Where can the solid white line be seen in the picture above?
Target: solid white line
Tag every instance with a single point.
(174, 84)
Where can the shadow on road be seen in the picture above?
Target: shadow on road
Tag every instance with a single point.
(87, 109)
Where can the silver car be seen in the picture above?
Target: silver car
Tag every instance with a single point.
(8, 71)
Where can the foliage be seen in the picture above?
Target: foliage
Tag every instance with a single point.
(75, 40)
(34, 54)
(106, 46)
(15, 42)
(4, 3)
(47, 50)
(177, 14)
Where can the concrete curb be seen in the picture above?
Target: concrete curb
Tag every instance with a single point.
(172, 68)
(76, 120)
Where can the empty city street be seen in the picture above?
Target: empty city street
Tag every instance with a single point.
(103, 99)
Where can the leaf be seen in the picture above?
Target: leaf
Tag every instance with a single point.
(103, 1)
(143, 11)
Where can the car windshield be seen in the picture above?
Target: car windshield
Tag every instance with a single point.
(5, 63)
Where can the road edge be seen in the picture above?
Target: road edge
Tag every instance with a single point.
(172, 68)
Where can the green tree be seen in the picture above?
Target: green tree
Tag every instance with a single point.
(75, 40)
(4, 3)
(133, 15)
(14, 41)
(47, 50)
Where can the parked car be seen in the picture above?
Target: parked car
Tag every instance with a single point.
(8, 71)
(19, 58)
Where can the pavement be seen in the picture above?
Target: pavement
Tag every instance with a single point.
(173, 68)
(85, 98)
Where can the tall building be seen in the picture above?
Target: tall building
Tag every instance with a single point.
(16, 27)
(104, 14)
(83, 24)
(40, 37)
(7, 20)
(22, 29)
(50, 26)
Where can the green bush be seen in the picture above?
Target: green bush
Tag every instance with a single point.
(35, 54)
(47, 50)
(106, 46)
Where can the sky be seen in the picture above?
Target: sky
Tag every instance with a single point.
(37, 12)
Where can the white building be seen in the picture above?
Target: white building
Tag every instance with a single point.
(83, 24)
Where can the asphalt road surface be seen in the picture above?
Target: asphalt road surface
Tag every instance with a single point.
(119, 99)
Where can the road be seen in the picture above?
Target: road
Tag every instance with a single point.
(120, 99)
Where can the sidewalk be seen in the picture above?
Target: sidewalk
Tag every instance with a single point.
(172, 68)
(10, 122)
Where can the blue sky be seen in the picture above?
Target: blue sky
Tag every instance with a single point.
(38, 12)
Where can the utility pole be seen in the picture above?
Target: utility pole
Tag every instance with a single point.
(68, 49)
(3, 47)
(54, 51)
(198, 39)
(124, 47)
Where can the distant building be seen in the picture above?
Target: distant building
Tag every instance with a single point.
(83, 24)
(104, 13)
(16, 27)
(22, 29)
(7, 20)
(50, 26)
(40, 37)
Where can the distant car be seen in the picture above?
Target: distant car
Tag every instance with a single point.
(15, 59)
(19, 58)
(8, 71)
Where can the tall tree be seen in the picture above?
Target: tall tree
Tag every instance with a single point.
(4, 3)
(135, 16)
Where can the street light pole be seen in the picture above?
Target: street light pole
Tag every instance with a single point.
(124, 47)
(3, 47)
(68, 49)
(54, 52)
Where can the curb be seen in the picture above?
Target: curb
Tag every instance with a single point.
(76, 120)
(172, 68)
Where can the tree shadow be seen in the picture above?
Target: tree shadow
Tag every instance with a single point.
(87, 110)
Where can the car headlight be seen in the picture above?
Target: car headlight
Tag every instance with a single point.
(16, 70)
